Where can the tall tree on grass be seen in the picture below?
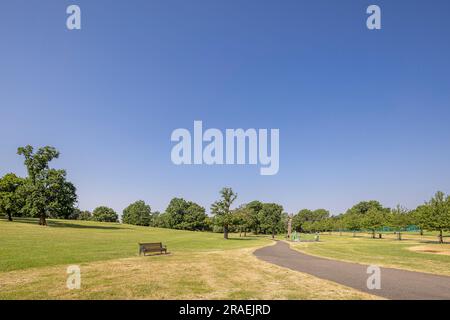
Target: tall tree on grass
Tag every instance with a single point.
(46, 191)
(10, 201)
(352, 221)
(271, 215)
(137, 213)
(400, 219)
(435, 214)
(243, 219)
(186, 215)
(375, 219)
(222, 210)
(195, 218)
(254, 208)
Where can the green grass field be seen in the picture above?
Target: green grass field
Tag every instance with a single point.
(26, 244)
(201, 265)
(430, 257)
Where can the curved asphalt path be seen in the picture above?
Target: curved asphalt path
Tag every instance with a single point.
(395, 284)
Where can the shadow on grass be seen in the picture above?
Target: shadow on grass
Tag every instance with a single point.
(250, 237)
(61, 224)
(434, 241)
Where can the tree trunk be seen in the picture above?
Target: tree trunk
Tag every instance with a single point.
(42, 220)
(421, 232)
(373, 234)
(399, 236)
(225, 232)
(245, 232)
(273, 233)
(9, 216)
(441, 238)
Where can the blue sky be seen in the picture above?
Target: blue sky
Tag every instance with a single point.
(362, 114)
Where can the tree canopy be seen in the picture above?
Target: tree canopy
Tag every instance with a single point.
(11, 203)
(435, 214)
(185, 215)
(46, 192)
(137, 213)
(221, 210)
(104, 214)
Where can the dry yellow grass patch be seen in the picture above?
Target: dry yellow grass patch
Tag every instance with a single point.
(232, 274)
(433, 249)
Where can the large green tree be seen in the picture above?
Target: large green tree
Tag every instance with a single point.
(104, 214)
(137, 213)
(271, 215)
(375, 219)
(365, 206)
(46, 191)
(306, 215)
(243, 219)
(221, 210)
(435, 214)
(354, 219)
(185, 215)
(254, 208)
(10, 201)
(400, 219)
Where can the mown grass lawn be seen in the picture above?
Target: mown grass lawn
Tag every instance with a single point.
(34, 261)
(386, 252)
(26, 244)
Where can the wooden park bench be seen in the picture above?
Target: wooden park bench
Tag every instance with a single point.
(152, 247)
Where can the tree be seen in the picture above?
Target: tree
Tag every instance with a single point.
(300, 218)
(104, 214)
(375, 219)
(309, 226)
(400, 219)
(221, 210)
(137, 213)
(271, 214)
(254, 208)
(175, 213)
(354, 218)
(85, 215)
(365, 206)
(159, 220)
(306, 215)
(75, 215)
(435, 214)
(60, 194)
(10, 201)
(195, 217)
(185, 215)
(320, 214)
(243, 218)
(352, 221)
(46, 191)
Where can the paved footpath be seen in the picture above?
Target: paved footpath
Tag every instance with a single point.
(395, 283)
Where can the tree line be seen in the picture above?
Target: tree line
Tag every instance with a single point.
(46, 193)
(433, 215)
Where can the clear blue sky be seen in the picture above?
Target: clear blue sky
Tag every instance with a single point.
(362, 114)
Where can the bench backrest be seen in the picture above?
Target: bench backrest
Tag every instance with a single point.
(155, 245)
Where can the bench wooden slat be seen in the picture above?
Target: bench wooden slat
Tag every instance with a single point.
(152, 247)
